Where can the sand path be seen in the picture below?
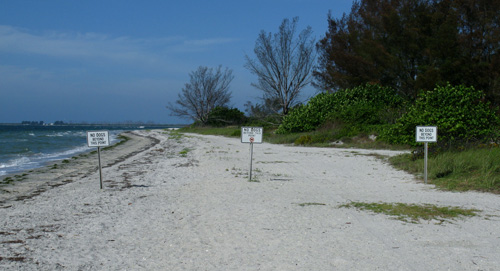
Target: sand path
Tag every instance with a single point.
(185, 203)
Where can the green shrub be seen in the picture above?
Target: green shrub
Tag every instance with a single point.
(459, 112)
(304, 118)
(223, 116)
(368, 104)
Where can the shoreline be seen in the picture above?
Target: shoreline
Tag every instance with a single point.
(30, 183)
(185, 203)
(29, 147)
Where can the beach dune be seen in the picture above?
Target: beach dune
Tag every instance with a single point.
(184, 202)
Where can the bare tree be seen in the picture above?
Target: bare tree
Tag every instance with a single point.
(283, 63)
(207, 89)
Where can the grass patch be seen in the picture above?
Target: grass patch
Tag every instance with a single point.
(413, 213)
(281, 139)
(320, 138)
(230, 131)
(473, 169)
(174, 135)
(350, 136)
(184, 152)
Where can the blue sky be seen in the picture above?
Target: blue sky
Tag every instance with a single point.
(124, 60)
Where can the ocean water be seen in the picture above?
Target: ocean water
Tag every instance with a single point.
(25, 147)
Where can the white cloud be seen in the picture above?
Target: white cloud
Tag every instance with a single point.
(54, 44)
(96, 45)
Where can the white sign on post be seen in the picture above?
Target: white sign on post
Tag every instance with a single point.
(98, 138)
(426, 134)
(251, 134)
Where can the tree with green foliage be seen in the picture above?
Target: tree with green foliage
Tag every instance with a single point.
(283, 63)
(379, 42)
(207, 89)
(460, 114)
(224, 116)
(413, 45)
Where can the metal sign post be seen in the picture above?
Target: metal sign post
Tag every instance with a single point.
(251, 159)
(251, 135)
(98, 139)
(426, 134)
(100, 168)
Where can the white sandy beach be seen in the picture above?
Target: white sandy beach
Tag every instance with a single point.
(173, 203)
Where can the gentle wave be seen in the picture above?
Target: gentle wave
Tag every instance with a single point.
(56, 135)
(16, 162)
(59, 155)
(38, 160)
(19, 164)
(67, 133)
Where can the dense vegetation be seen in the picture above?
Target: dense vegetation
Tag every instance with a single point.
(364, 105)
(459, 112)
(413, 45)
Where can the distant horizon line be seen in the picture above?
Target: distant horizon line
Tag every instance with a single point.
(95, 123)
